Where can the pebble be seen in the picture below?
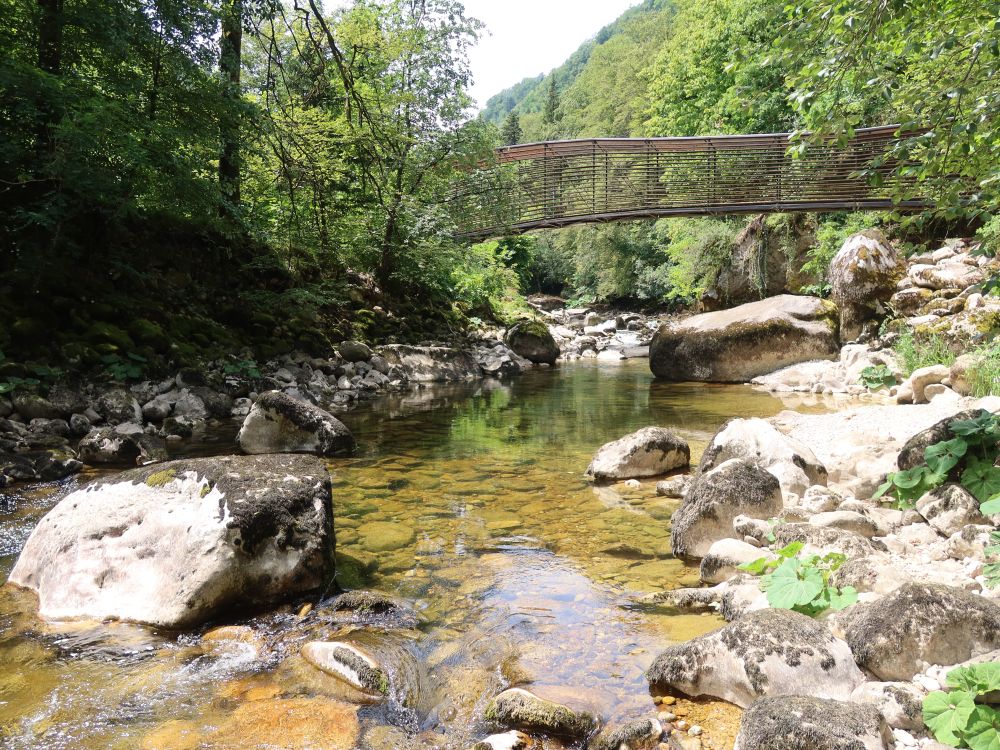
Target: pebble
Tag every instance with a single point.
(927, 683)
(666, 716)
(668, 700)
(695, 730)
(682, 725)
(904, 738)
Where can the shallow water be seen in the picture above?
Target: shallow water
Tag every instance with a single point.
(470, 501)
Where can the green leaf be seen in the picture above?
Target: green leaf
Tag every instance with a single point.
(980, 426)
(981, 478)
(943, 457)
(759, 566)
(843, 598)
(976, 678)
(789, 591)
(991, 507)
(909, 478)
(947, 715)
(983, 729)
(790, 550)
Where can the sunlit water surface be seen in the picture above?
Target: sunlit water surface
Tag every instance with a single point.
(523, 571)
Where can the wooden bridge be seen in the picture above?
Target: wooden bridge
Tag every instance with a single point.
(559, 183)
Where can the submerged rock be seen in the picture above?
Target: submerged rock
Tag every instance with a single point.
(522, 709)
(640, 734)
(766, 652)
(645, 453)
(921, 624)
(506, 741)
(741, 343)
(532, 340)
(289, 724)
(349, 663)
(715, 499)
(278, 423)
(178, 543)
(797, 722)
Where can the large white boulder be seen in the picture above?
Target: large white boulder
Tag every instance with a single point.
(863, 276)
(766, 652)
(175, 544)
(648, 452)
(738, 344)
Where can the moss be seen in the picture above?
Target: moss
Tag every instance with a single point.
(109, 334)
(205, 490)
(161, 478)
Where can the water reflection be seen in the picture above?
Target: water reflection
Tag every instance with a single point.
(469, 500)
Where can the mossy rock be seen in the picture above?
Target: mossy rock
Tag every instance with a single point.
(531, 339)
(107, 333)
(148, 332)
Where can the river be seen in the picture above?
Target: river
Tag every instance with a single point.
(471, 502)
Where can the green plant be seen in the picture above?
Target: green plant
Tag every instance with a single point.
(244, 368)
(129, 367)
(983, 375)
(969, 457)
(802, 584)
(914, 352)
(874, 377)
(992, 569)
(816, 290)
(954, 716)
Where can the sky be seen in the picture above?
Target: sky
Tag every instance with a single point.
(526, 37)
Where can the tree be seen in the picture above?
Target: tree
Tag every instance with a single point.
(230, 67)
(934, 68)
(551, 112)
(511, 133)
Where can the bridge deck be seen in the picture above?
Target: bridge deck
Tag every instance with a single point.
(559, 183)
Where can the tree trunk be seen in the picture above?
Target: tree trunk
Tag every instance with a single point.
(229, 67)
(50, 29)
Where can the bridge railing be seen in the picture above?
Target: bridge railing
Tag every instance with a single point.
(559, 183)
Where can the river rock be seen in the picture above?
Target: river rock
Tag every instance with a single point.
(533, 341)
(638, 734)
(349, 663)
(724, 557)
(278, 423)
(767, 652)
(919, 624)
(512, 740)
(874, 573)
(912, 453)
(354, 351)
(823, 539)
(912, 390)
(123, 444)
(37, 466)
(644, 453)
(863, 276)
(32, 406)
(949, 508)
(900, 703)
(181, 542)
(715, 499)
(428, 364)
(288, 723)
(385, 536)
(521, 709)
(846, 520)
(798, 723)
(795, 466)
(741, 343)
(117, 406)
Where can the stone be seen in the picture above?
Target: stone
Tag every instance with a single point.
(674, 487)
(644, 453)
(958, 373)
(512, 740)
(385, 536)
(875, 574)
(912, 390)
(822, 539)
(522, 709)
(800, 723)
(533, 341)
(157, 409)
(184, 541)
(37, 466)
(124, 444)
(741, 343)
(349, 663)
(724, 557)
(715, 499)
(117, 406)
(919, 624)
(758, 442)
(638, 734)
(79, 425)
(278, 423)
(32, 406)
(846, 520)
(354, 351)
(900, 703)
(912, 453)
(429, 364)
(946, 275)
(767, 652)
(949, 508)
(298, 723)
(863, 276)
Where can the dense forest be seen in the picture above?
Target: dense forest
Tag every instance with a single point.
(190, 178)
(681, 67)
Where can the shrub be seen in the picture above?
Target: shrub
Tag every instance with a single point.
(802, 584)
(915, 351)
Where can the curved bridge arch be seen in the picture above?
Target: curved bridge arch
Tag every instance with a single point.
(560, 183)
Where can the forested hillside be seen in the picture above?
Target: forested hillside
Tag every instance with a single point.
(705, 67)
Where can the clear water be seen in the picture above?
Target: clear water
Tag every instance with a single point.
(522, 569)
